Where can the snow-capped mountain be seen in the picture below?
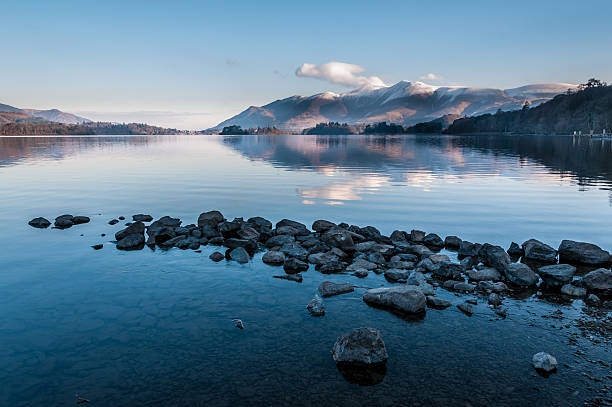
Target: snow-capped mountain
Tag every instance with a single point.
(405, 102)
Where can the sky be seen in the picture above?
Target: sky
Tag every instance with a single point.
(192, 64)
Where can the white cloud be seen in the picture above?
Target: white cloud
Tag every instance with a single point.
(431, 77)
(340, 73)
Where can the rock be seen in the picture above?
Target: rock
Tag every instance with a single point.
(288, 230)
(211, 219)
(260, 224)
(439, 258)
(97, 246)
(338, 253)
(398, 236)
(332, 267)
(468, 249)
(494, 256)
(398, 264)
(467, 263)
(311, 242)
(557, 275)
(449, 270)
(142, 218)
(370, 233)
(437, 303)
(249, 245)
(501, 312)
(78, 220)
(248, 233)
(583, 253)
(420, 250)
(131, 242)
(40, 223)
(322, 226)
(460, 286)
(515, 250)
(121, 217)
(339, 238)
(64, 221)
(229, 228)
(467, 309)
(361, 273)
(486, 274)
(291, 277)
(364, 246)
(316, 307)
(408, 299)
(521, 275)
(363, 346)
(452, 242)
(238, 323)
(433, 240)
(136, 228)
(417, 236)
(361, 264)
(294, 249)
(328, 288)
(573, 291)
(487, 286)
(397, 275)
(273, 258)
(599, 281)
(408, 257)
(239, 254)
(494, 299)
(471, 301)
(189, 243)
(593, 300)
(113, 221)
(377, 258)
(322, 258)
(277, 241)
(538, 251)
(544, 362)
(171, 242)
(293, 266)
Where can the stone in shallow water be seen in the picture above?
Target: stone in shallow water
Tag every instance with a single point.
(407, 299)
(452, 242)
(316, 307)
(584, 253)
(557, 274)
(136, 228)
(293, 266)
(437, 303)
(486, 274)
(142, 218)
(520, 274)
(274, 258)
(494, 256)
(322, 226)
(544, 362)
(599, 281)
(467, 309)
(97, 246)
(449, 270)
(291, 277)
(328, 288)
(397, 275)
(535, 250)
(64, 221)
(131, 242)
(40, 223)
(573, 291)
(240, 255)
(361, 346)
(211, 218)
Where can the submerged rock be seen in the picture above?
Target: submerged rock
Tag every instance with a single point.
(316, 307)
(408, 299)
(583, 253)
(557, 274)
(538, 251)
(240, 255)
(437, 303)
(40, 223)
(291, 277)
(293, 266)
(78, 220)
(328, 288)
(466, 308)
(544, 362)
(360, 346)
(521, 275)
(494, 299)
(97, 246)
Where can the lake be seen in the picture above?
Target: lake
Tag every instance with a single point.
(154, 327)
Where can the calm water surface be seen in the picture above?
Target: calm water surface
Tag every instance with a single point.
(154, 327)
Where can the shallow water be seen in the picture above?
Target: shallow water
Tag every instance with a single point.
(154, 327)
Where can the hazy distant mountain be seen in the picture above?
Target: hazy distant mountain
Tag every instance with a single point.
(57, 116)
(405, 103)
(11, 114)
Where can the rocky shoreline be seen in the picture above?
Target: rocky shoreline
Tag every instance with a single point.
(410, 261)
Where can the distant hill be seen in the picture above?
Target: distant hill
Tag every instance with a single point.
(585, 110)
(57, 116)
(405, 103)
(99, 128)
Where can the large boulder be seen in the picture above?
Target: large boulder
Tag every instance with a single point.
(136, 228)
(131, 242)
(210, 218)
(322, 226)
(599, 281)
(363, 346)
(535, 250)
(433, 240)
(469, 249)
(521, 275)
(452, 242)
(300, 228)
(340, 238)
(583, 253)
(557, 275)
(329, 289)
(407, 299)
(494, 256)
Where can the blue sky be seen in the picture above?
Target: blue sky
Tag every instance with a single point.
(191, 64)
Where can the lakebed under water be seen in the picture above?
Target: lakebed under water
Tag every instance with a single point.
(155, 327)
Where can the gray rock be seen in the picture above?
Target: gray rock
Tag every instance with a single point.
(40, 223)
(487, 287)
(364, 246)
(437, 303)
(277, 241)
(332, 267)
(232, 243)
(291, 277)
(239, 254)
(216, 256)
(408, 257)
(593, 300)
(211, 219)
(599, 281)
(316, 307)
(142, 218)
(361, 264)
(322, 226)
(274, 258)
(113, 221)
(260, 224)
(494, 299)
(418, 279)
(64, 221)
(538, 251)
(452, 242)
(494, 256)
(328, 288)
(362, 346)
(460, 286)
(544, 362)
(515, 250)
(486, 274)
(468, 249)
(449, 270)
(361, 273)
(433, 240)
(501, 312)
(573, 291)
(377, 258)
(248, 233)
(136, 228)
(322, 258)
(439, 258)
(467, 263)
(417, 236)
(398, 264)
(521, 275)
(398, 236)
(397, 275)
(77, 220)
(97, 246)
(583, 253)
(467, 309)
(294, 249)
(408, 299)
(229, 228)
(370, 233)
(557, 275)
(339, 238)
(131, 242)
(293, 266)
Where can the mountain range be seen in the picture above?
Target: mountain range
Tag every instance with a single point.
(406, 103)
(11, 114)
